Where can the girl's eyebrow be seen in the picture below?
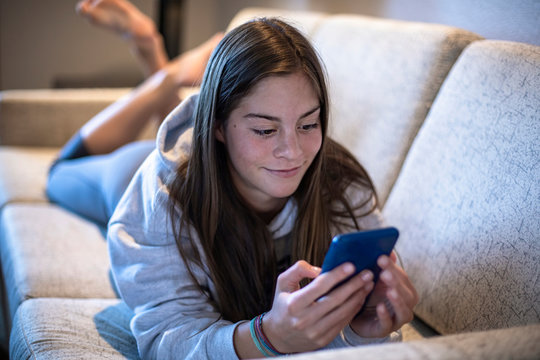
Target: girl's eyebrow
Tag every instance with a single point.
(275, 118)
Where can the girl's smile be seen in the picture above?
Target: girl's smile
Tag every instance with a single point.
(285, 173)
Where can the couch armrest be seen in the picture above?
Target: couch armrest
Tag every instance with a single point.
(512, 343)
(49, 117)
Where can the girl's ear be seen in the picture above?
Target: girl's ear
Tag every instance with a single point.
(220, 132)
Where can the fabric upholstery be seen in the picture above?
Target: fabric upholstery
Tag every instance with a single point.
(49, 252)
(23, 174)
(49, 117)
(467, 200)
(382, 84)
(521, 343)
(72, 329)
(56, 328)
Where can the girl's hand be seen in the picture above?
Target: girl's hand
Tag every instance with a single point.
(308, 318)
(391, 304)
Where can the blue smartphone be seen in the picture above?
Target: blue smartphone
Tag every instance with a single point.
(361, 248)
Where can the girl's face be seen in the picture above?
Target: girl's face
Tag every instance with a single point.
(271, 139)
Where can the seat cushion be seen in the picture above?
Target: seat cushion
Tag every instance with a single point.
(467, 200)
(49, 252)
(99, 328)
(72, 329)
(383, 77)
(23, 173)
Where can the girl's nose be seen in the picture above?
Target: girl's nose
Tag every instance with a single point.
(288, 146)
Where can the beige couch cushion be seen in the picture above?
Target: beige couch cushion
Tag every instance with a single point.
(72, 329)
(49, 117)
(467, 200)
(383, 77)
(23, 173)
(48, 252)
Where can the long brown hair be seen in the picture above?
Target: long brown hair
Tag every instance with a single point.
(233, 242)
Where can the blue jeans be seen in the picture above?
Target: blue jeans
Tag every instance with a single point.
(92, 185)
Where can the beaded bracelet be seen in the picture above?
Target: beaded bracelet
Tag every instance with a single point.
(259, 338)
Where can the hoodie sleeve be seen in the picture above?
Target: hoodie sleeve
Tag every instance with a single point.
(173, 318)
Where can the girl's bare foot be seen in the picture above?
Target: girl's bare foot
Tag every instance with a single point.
(123, 18)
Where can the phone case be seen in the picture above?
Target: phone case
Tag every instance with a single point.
(361, 248)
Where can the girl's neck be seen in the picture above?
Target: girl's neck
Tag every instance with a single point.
(268, 213)
(267, 217)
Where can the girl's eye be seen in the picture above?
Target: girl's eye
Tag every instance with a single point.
(308, 127)
(264, 132)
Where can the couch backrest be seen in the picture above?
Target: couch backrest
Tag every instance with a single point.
(45, 117)
(383, 77)
(305, 21)
(467, 201)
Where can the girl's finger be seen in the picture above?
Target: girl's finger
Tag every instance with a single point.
(386, 323)
(404, 288)
(395, 276)
(345, 311)
(358, 287)
(289, 280)
(402, 312)
(327, 281)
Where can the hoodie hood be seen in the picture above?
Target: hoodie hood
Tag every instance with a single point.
(173, 140)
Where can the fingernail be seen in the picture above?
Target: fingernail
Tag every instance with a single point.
(393, 294)
(348, 268)
(367, 276)
(383, 261)
(386, 275)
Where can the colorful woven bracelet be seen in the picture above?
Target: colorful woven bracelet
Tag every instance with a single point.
(255, 338)
(262, 337)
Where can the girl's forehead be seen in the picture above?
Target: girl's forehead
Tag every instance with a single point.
(290, 86)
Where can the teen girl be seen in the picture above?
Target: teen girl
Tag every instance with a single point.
(216, 243)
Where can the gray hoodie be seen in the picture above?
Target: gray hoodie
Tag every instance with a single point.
(173, 319)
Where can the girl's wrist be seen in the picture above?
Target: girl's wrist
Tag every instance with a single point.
(270, 335)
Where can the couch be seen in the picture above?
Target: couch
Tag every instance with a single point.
(446, 123)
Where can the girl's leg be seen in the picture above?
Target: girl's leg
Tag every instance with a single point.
(92, 186)
(123, 18)
(122, 122)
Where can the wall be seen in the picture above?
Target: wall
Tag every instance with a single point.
(516, 20)
(45, 44)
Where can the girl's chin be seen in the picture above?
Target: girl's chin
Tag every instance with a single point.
(283, 194)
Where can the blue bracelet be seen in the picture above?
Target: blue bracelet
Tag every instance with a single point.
(255, 338)
(262, 337)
